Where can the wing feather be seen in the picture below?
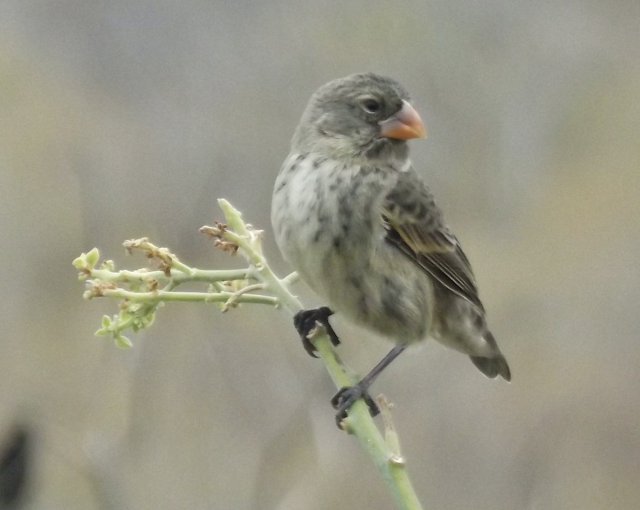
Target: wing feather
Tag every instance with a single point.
(414, 225)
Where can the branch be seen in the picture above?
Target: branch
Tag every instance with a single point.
(148, 289)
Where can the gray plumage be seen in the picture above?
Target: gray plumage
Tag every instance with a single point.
(359, 225)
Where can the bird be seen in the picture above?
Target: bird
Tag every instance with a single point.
(359, 225)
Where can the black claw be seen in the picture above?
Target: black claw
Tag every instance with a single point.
(301, 326)
(374, 410)
(305, 321)
(346, 397)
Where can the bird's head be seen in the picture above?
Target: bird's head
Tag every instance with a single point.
(360, 116)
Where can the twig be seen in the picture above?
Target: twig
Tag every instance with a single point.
(358, 422)
(148, 289)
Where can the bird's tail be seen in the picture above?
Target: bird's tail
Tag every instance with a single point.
(492, 367)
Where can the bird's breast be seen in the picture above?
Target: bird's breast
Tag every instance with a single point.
(323, 208)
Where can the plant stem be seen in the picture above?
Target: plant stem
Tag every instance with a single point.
(205, 297)
(194, 275)
(359, 421)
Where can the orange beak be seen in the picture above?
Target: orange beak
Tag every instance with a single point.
(404, 125)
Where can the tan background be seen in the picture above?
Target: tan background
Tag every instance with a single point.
(127, 118)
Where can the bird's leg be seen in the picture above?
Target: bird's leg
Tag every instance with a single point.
(346, 396)
(305, 321)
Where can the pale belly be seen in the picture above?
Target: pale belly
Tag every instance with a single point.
(371, 284)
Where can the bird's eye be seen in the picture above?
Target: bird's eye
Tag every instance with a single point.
(371, 105)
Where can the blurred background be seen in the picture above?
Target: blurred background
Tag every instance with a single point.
(129, 118)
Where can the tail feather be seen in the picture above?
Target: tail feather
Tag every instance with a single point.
(492, 367)
(495, 365)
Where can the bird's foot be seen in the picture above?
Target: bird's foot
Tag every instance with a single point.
(345, 398)
(305, 321)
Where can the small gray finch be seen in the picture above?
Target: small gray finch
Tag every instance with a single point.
(362, 229)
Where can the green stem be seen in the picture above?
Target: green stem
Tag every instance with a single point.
(193, 275)
(359, 421)
(205, 297)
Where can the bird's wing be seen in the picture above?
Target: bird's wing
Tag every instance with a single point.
(414, 225)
